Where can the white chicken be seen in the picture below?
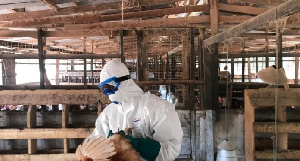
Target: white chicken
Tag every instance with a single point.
(269, 75)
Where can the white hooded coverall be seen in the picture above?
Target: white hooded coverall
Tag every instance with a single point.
(147, 115)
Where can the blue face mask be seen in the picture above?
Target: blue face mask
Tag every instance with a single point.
(111, 85)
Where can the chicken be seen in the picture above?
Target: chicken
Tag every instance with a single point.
(114, 148)
(269, 75)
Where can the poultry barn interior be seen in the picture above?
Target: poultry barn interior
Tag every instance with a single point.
(203, 56)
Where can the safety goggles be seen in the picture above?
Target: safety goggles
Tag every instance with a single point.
(111, 85)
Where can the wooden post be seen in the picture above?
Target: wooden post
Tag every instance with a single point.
(8, 70)
(282, 137)
(122, 46)
(31, 123)
(185, 69)
(243, 61)
(296, 67)
(249, 132)
(279, 47)
(41, 43)
(84, 64)
(232, 69)
(140, 49)
(249, 69)
(65, 124)
(267, 48)
(57, 71)
(192, 68)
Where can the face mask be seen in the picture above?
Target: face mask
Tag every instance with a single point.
(116, 98)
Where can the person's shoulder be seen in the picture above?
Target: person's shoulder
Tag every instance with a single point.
(154, 101)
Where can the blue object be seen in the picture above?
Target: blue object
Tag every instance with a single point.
(148, 148)
(105, 86)
(111, 85)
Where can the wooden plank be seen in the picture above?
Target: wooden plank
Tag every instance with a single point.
(32, 146)
(65, 116)
(155, 13)
(185, 57)
(214, 17)
(269, 127)
(161, 22)
(285, 9)
(233, 19)
(31, 117)
(265, 97)
(50, 4)
(82, 17)
(268, 154)
(45, 133)
(55, 97)
(241, 9)
(39, 157)
(249, 132)
(59, 56)
(266, 2)
(248, 55)
(62, 11)
(66, 146)
(41, 44)
(282, 138)
(31, 123)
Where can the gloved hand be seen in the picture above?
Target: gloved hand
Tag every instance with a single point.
(110, 133)
(147, 148)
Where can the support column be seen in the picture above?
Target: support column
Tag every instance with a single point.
(142, 67)
(296, 66)
(84, 64)
(243, 61)
(31, 123)
(122, 46)
(211, 83)
(57, 71)
(65, 124)
(41, 43)
(267, 48)
(279, 47)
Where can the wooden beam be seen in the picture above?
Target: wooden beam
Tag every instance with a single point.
(62, 11)
(248, 55)
(266, 97)
(282, 127)
(249, 133)
(241, 9)
(280, 11)
(50, 4)
(37, 22)
(45, 133)
(44, 97)
(214, 17)
(161, 22)
(266, 2)
(268, 154)
(39, 157)
(60, 56)
(155, 13)
(140, 52)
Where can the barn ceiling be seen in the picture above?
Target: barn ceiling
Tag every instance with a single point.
(94, 26)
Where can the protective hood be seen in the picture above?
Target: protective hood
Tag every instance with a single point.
(127, 89)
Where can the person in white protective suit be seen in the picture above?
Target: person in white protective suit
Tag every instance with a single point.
(156, 131)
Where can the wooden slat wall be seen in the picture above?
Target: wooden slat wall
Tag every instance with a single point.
(255, 99)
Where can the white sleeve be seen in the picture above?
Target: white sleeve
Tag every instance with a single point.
(101, 125)
(168, 131)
